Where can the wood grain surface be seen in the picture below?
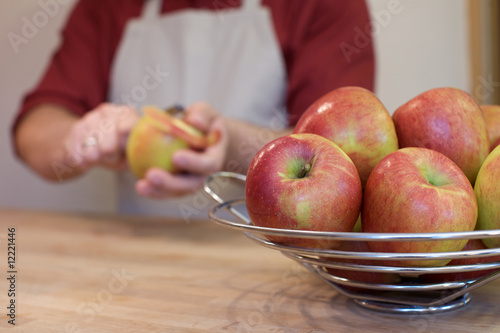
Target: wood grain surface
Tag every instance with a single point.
(83, 273)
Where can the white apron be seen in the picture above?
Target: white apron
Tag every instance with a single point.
(229, 58)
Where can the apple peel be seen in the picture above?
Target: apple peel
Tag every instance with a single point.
(177, 127)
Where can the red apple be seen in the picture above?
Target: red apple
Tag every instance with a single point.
(492, 118)
(417, 190)
(487, 190)
(356, 120)
(473, 244)
(157, 136)
(303, 182)
(449, 121)
(495, 144)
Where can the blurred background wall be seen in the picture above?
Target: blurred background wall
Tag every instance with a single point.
(419, 45)
(20, 69)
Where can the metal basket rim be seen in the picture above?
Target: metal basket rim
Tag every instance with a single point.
(388, 256)
(348, 235)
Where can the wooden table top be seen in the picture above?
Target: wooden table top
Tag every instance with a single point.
(84, 273)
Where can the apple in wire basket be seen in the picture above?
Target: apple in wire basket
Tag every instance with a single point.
(303, 182)
(418, 190)
(487, 190)
(449, 121)
(492, 118)
(357, 121)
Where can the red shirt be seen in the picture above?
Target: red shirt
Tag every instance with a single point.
(320, 41)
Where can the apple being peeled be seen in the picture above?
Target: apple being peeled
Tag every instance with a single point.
(487, 189)
(473, 244)
(449, 121)
(303, 182)
(356, 120)
(492, 118)
(157, 136)
(416, 190)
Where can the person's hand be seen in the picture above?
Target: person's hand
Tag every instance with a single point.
(100, 136)
(196, 165)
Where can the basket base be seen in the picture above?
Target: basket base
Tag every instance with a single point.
(388, 307)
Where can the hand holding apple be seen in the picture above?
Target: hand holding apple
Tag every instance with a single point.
(449, 121)
(417, 190)
(356, 120)
(97, 139)
(157, 136)
(303, 182)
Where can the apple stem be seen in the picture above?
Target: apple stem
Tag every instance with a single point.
(305, 170)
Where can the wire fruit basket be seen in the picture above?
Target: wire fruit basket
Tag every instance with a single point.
(410, 293)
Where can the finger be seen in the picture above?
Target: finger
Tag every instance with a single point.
(147, 189)
(110, 152)
(208, 161)
(118, 119)
(201, 163)
(127, 118)
(111, 125)
(160, 184)
(200, 115)
(93, 138)
(79, 147)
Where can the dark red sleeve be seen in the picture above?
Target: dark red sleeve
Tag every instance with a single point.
(77, 76)
(326, 46)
